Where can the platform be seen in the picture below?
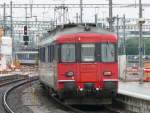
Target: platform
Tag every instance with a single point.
(12, 73)
(135, 89)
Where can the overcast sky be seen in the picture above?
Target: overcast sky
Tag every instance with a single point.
(88, 14)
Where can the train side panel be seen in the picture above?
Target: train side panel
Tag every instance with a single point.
(46, 74)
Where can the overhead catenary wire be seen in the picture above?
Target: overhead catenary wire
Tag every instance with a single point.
(133, 5)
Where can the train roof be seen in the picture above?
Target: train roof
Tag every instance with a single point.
(78, 28)
(70, 29)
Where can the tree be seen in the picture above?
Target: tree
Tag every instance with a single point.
(132, 46)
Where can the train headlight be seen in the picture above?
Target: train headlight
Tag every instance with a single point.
(69, 74)
(107, 73)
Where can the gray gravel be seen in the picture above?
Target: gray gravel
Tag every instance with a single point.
(15, 102)
(31, 98)
(2, 91)
(38, 101)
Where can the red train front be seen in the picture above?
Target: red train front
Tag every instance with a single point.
(84, 68)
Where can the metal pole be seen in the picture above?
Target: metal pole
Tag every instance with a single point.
(31, 9)
(36, 19)
(77, 16)
(124, 35)
(117, 25)
(11, 19)
(96, 19)
(63, 13)
(4, 19)
(144, 47)
(11, 32)
(140, 43)
(26, 14)
(55, 16)
(81, 11)
(110, 16)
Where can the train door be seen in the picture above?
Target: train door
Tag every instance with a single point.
(67, 64)
(88, 66)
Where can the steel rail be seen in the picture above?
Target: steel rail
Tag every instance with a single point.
(12, 80)
(113, 110)
(68, 107)
(5, 104)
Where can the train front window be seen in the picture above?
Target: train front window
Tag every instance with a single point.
(108, 52)
(87, 52)
(68, 53)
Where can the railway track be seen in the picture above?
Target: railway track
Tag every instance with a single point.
(11, 81)
(5, 83)
(65, 106)
(10, 86)
(85, 109)
(7, 88)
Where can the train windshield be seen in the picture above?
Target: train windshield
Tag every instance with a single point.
(108, 52)
(88, 52)
(68, 53)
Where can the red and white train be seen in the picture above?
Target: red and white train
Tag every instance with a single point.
(79, 63)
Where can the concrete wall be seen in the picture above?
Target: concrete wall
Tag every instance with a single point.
(122, 66)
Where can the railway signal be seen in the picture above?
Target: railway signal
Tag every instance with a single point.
(25, 37)
(25, 43)
(25, 30)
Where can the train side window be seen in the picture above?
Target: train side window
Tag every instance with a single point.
(40, 50)
(56, 47)
(88, 52)
(68, 53)
(52, 53)
(49, 53)
(42, 54)
(46, 54)
(108, 52)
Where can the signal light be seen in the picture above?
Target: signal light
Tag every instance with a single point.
(25, 43)
(25, 38)
(25, 30)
